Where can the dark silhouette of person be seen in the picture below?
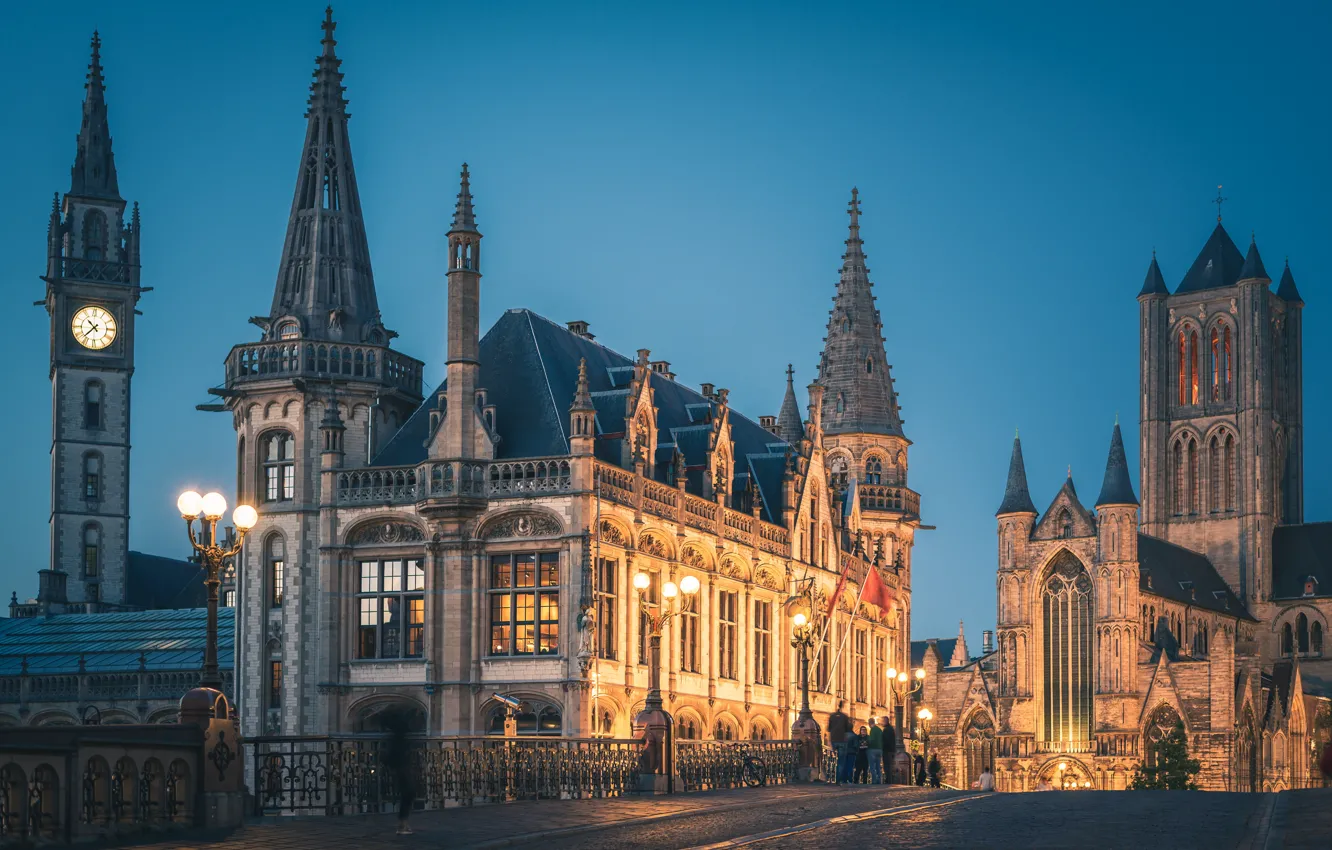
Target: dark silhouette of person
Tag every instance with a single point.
(396, 755)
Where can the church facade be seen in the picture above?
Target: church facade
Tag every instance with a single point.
(437, 549)
(1206, 603)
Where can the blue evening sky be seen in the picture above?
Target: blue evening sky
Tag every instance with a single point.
(677, 175)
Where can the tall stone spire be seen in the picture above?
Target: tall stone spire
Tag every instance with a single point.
(859, 395)
(94, 171)
(1017, 498)
(1117, 488)
(464, 217)
(789, 426)
(325, 283)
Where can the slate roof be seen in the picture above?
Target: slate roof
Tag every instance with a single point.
(1218, 264)
(1117, 487)
(1253, 264)
(1017, 498)
(1300, 551)
(1182, 575)
(1286, 288)
(1155, 282)
(155, 582)
(943, 646)
(529, 369)
(170, 640)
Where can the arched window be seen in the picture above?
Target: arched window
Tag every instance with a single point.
(840, 475)
(1177, 473)
(841, 402)
(1216, 365)
(1287, 639)
(1229, 472)
(92, 551)
(275, 557)
(94, 235)
(534, 718)
(92, 476)
(1214, 475)
(1065, 524)
(688, 728)
(1066, 608)
(1183, 369)
(92, 406)
(869, 365)
(978, 741)
(1302, 633)
(724, 730)
(1193, 367)
(289, 330)
(1316, 638)
(279, 467)
(1163, 721)
(1226, 369)
(873, 470)
(1193, 499)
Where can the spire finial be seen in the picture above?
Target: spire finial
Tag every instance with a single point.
(329, 25)
(790, 372)
(854, 210)
(1070, 470)
(464, 217)
(1219, 201)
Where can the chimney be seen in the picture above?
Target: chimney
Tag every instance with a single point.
(663, 368)
(580, 328)
(987, 642)
(707, 390)
(768, 423)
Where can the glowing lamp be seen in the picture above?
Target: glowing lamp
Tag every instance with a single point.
(641, 581)
(189, 504)
(214, 505)
(245, 517)
(920, 672)
(689, 585)
(892, 672)
(669, 590)
(800, 619)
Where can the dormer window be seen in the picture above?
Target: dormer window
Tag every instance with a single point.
(289, 330)
(1310, 586)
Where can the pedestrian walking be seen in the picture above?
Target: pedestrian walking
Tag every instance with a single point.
(838, 727)
(920, 770)
(875, 753)
(889, 749)
(935, 770)
(396, 755)
(986, 781)
(861, 773)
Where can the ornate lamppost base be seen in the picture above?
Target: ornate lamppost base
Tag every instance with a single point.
(656, 762)
(808, 737)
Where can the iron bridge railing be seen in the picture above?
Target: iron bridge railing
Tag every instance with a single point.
(710, 765)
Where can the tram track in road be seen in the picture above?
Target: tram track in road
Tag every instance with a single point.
(839, 820)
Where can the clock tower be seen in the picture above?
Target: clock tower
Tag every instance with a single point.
(92, 287)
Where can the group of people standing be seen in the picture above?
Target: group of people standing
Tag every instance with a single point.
(865, 753)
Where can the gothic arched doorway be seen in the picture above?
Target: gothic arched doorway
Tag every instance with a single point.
(1066, 774)
(978, 747)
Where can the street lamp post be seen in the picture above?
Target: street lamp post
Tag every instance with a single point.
(805, 730)
(654, 725)
(903, 686)
(923, 717)
(212, 557)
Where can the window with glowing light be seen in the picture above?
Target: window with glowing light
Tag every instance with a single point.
(525, 604)
(1066, 603)
(391, 609)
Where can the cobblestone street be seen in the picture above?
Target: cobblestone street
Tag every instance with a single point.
(820, 817)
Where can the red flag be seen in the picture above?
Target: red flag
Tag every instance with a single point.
(841, 583)
(876, 592)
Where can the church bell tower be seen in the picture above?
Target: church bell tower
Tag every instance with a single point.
(92, 287)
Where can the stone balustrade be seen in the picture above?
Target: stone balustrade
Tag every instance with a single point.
(878, 497)
(261, 361)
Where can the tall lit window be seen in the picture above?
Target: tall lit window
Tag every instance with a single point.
(1183, 369)
(1193, 367)
(92, 551)
(881, 663)
(861, 674)
(607, 569)
(391, 605)
(762, 642)
(275, 684)
(841, 665)
(824, 659)
(1226, 364)
(525, 604)
(92, 406)
(92, 476)
(728, 604)
(839, 474)
(652, 596)
(689, 640)
(279, 467)
(1066, 602)
(277, 564)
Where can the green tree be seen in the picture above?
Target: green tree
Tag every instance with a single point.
(1171, 769)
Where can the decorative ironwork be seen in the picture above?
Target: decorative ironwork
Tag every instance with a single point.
(522, 525)
(708, 765)
(385, 534)
(345, 776)
(222, 756)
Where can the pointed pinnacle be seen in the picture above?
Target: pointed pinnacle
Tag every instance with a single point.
(329, 25)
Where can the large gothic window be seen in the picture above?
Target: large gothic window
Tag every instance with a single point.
(1066, 609)
(839, 474)
(978, 741)
(279, 467)
(1193, 367)
(1188, 367)
(1162, 722)
(874, 470)
(92, 551)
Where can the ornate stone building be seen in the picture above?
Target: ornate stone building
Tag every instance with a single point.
(1207, 603)
(438, 549)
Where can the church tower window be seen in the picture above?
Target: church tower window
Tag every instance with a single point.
(94, 235)
(92, 551)
(92, 476)
(1066, 602)
(92, 405)
(279, 467)
(1193, 367)
(874, 470)
(1316, 638)
(1302, 633)
(1287, 642)
(275, 556)
(840, 476)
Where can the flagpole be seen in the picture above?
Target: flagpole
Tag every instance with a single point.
(842, 646)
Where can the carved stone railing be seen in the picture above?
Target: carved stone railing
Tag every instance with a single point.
(453, 478)
(659, 499)
(774, 538)
(739, 526)
(97, 271)
(878, 497)
(75, 689)
(1117, 743)
(528, 477)
(346, 775)
(710, 765)
(67, 784)
(382, 485)
(614, 483)
(700, 513)
(262, 361)
(105, 686)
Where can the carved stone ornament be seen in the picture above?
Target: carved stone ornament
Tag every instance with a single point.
(522, 525)
(1234, 310)
(610, 533)
(1202, 312)
(691, 557)
(1172, 315)
(385, 534)
(731, 570)
(765, 578)
(650, 544)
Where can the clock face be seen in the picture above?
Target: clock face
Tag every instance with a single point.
(94, 327)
